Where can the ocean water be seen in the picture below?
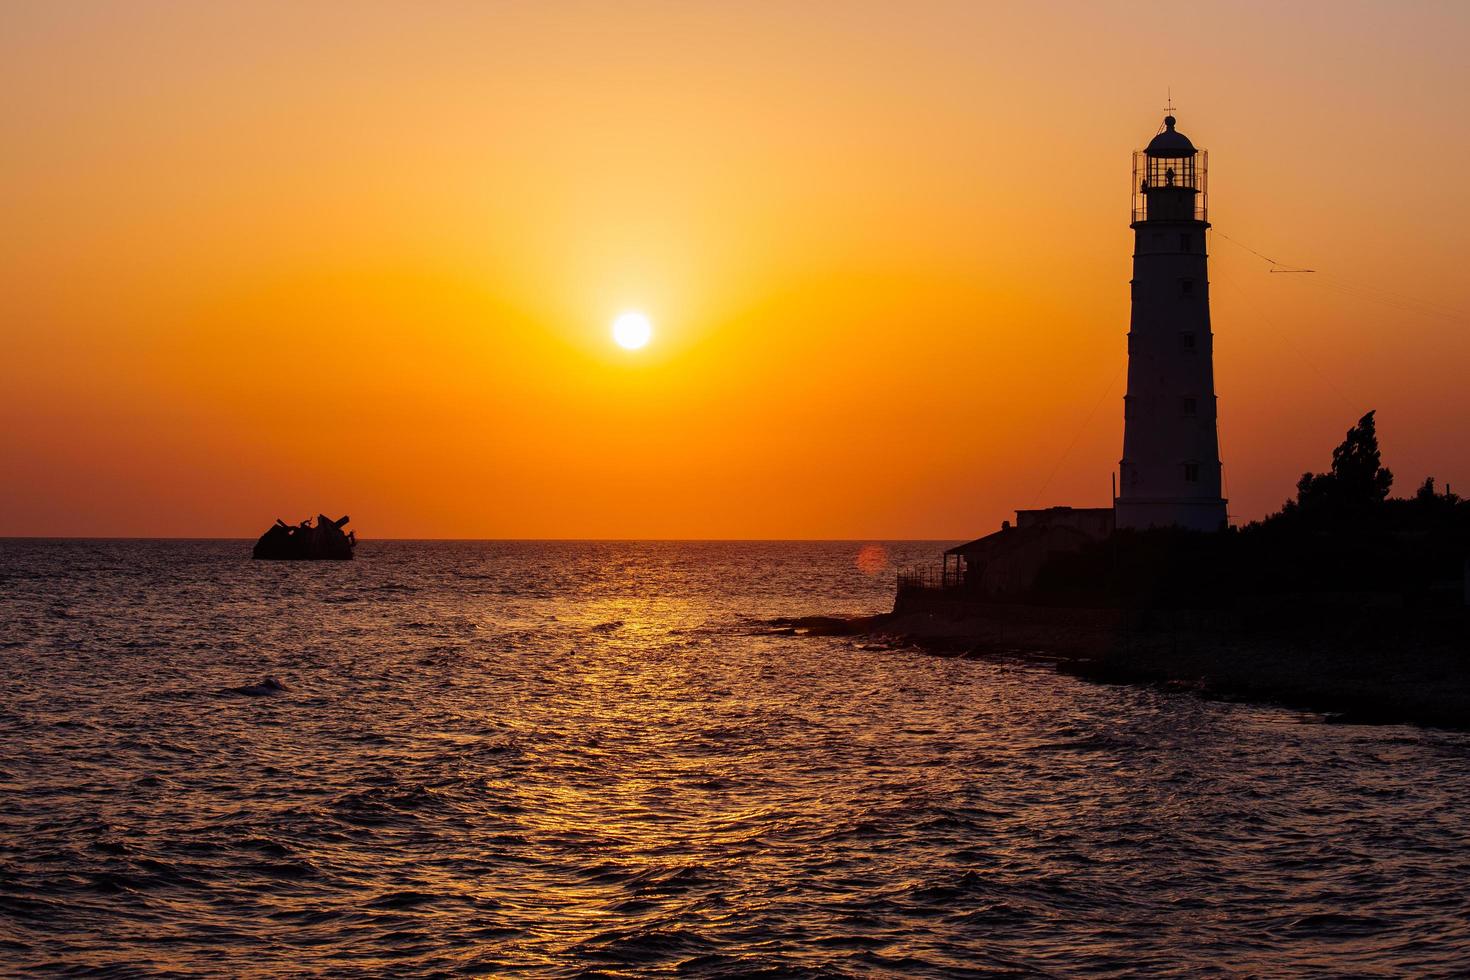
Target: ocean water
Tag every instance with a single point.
(599, 759)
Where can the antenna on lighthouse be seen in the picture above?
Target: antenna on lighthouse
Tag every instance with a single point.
(1168, 109)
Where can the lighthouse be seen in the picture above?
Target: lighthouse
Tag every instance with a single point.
(1170, 472)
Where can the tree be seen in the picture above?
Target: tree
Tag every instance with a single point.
(1357, 484)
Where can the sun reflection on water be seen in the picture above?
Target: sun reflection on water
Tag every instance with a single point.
(555, 759)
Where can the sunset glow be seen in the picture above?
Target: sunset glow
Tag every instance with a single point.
(691, 488)
(896, 248)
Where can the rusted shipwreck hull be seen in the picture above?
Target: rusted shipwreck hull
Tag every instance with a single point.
(324, 541)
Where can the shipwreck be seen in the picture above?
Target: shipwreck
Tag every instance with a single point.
(324, 541)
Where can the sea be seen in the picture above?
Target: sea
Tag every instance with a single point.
(612, 759)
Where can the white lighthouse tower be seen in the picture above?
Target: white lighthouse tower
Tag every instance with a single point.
(1170, 472)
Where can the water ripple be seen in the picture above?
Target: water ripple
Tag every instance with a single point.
(569, 760)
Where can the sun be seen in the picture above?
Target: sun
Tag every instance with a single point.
(632, 330)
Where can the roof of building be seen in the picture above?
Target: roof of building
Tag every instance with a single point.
(1008, 538)
(1061, 509)
(991, 540)
(1170, 142)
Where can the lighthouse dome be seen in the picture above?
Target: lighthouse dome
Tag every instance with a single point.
(1170, 143)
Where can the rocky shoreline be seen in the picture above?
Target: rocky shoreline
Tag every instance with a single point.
(1371, 667)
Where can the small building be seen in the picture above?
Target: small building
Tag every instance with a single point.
(1006, 563)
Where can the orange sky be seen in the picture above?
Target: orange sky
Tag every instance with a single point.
(363, 259)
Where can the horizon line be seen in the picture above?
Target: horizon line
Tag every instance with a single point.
(140, 537)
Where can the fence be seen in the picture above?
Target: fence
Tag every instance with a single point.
(944, 576)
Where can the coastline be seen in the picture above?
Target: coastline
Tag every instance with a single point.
(1357, 666)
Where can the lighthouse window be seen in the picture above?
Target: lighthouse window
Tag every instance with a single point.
(1186, 342)
(1191, 472)
(1186, 242)
(1190, 407)
(1186, 287)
